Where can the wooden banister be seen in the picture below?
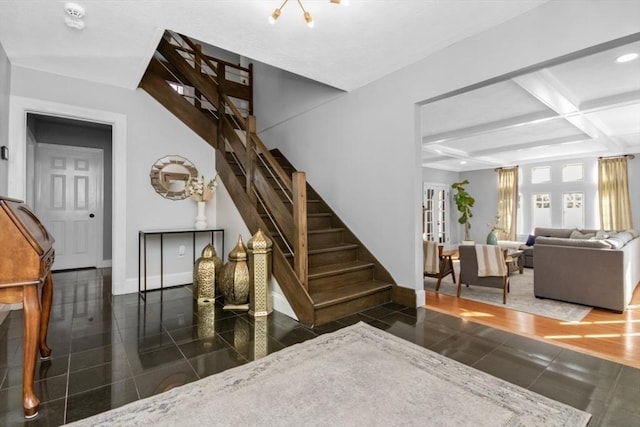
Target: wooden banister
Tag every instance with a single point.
(260, 147)
(300, 246)
(251, 159)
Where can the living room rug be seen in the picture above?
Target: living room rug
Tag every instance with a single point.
(520, 297)
(355, 376)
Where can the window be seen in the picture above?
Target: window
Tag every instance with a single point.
(573, 210)
(540, 174)
(541, 210)
(573, 172)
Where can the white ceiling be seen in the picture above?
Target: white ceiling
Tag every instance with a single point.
(587, 107)
(348, 48)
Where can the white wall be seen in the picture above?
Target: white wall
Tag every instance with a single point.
(361, 151)
(280, 95)
(5, 85)
(483, 187)
(151, 132)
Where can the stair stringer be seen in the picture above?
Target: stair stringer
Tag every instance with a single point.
(296, 295)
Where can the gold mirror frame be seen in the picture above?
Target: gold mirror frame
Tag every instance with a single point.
(170, 176)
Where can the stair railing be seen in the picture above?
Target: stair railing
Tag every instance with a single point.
(259, 160)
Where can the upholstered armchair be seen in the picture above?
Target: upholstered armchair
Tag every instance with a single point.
(469, 274)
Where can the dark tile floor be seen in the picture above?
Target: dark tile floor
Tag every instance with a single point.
(111, 350)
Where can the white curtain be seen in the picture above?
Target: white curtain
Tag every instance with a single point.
(507, 203)
(613, 194)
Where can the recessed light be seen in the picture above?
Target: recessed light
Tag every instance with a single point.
(463, 162)
(626, 58)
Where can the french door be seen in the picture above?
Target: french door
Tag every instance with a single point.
(435, 213)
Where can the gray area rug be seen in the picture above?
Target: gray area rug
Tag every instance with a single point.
(357, 376)
(520, 297)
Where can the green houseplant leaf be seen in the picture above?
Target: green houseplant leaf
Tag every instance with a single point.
(464, 203)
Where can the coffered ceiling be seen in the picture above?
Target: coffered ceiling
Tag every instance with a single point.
(585, 107)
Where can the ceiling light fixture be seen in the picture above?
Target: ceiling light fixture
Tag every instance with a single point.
(305, 14)
(626, 58)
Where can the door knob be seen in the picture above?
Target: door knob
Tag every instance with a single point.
(91, 215)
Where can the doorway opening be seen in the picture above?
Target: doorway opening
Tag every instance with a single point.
(69, 184)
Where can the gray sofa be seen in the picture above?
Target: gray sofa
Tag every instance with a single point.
(602, 271)
(547, 232)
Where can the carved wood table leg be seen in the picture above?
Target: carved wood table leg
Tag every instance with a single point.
(30, 402)
(47, 295)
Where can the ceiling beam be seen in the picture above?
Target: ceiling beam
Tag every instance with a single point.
(489, 127)
(544, 86)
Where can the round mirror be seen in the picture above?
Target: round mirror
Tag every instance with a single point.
(170, 176)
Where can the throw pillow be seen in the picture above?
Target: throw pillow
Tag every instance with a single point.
(577, 234)
(531, 240)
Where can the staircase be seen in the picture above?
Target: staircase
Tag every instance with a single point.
(323, 269)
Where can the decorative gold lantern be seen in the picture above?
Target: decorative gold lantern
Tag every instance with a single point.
(260, 337)
(234, 279)
(206, 318)
(204, 274)
(260, 302)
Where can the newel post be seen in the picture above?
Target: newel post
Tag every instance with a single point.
(300, 248)
(251, 158)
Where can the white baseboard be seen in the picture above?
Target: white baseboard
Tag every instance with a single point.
(153, 282)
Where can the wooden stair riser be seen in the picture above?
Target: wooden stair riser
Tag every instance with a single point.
(337, 311)
(321, 238)
(338, 280)
(318, 222)
(332, 257)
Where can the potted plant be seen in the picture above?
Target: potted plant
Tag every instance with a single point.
(464, 203)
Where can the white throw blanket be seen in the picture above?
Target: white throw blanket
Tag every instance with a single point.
(491, 261)
(430, 257)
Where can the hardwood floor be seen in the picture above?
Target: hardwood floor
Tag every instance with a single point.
(601, 333)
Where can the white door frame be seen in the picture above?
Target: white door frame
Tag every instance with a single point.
(99, 208)
(17, 168)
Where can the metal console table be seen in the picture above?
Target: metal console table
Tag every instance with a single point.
(142, 250)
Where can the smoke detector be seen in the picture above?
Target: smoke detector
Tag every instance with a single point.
(76, 13)
(74, 10)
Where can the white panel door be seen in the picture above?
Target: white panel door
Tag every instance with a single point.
(69, 202)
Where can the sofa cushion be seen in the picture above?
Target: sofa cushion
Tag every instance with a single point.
(620, 239)
(577, 234)
(531, 240)
(553, 232)
(582, 243)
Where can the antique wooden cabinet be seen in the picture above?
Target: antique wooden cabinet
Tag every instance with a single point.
(26, 256)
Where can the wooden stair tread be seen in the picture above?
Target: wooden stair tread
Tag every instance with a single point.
(325, 230)
(333, 269)
(332, 248)
(346, 293)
